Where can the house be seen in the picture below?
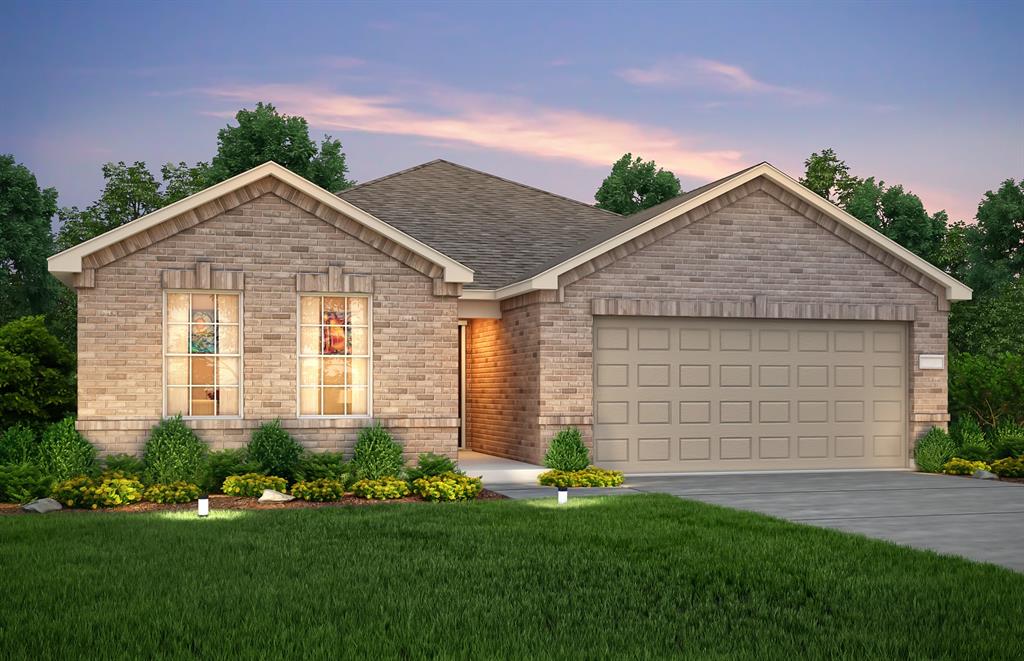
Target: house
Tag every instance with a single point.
(746, 325)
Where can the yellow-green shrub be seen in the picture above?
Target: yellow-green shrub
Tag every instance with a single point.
(320, 490)
(175, 492)
(447, 486)
(588, 477)
(109, 490)
(958, 466)
(385, 488)
(251, 485)
(1009, 467)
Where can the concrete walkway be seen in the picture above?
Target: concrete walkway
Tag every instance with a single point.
(978, 519)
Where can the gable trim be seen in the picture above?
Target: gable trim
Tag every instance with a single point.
(66, 264)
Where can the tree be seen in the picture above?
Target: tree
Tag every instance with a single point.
(37, 374)
(829, 177)
(999, 246)
(264, 135)
(180, 180)
(635, 185)
(25, 242)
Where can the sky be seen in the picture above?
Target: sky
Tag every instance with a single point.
(928, 95)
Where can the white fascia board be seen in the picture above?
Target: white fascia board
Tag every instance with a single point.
(66, 263)
(955, 290)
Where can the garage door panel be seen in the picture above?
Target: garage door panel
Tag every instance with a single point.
(736, 394)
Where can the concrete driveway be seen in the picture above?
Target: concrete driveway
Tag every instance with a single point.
(979, 519)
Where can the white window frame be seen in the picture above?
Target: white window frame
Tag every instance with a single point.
(240, 355)
(299, 356)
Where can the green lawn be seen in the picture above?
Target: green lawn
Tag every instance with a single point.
(606, 577)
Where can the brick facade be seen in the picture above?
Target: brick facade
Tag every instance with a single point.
(756, 251)
(271, 240)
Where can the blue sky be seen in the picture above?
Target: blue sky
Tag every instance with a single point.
(929, 95)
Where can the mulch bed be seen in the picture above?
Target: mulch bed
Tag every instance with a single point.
(221, 502)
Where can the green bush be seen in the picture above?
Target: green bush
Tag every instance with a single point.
(107, 491)
(933, 451)
(376, 455)
(1007, 440)
(567, 451)
(588, 477)
(20, 483)
(64, 453)
(174, 453)
(989, 388)
(223, 464)
(320, 490)
(126, 464)
(385, 488)
(970, 440)
(274, 450)
(322, 466)
(1009, 467)
(430, 465)
(175, 492)
(960, 466)
(447, 487)
(19, 445)
(251, 485)
(37, 373)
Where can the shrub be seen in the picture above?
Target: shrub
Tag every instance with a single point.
(107, 491)
(322, 466)
(251, 485)
(385, 488)
(970, 440)
(960, 466)
(376, 455)
(64, 453)
(319, 490)
(175, 492)
(174, 453)
(38, 374)
(447, 487)
(1007, 441)
(126, 464)
(989, 388)
(19, 445)
(430, 465)
(567, 451)
(1009, 467)
(20, 483)
(223, 464)
(588, 477)
(274, 450)
(933, 450)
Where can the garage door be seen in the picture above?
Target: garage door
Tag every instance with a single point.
(676, 394)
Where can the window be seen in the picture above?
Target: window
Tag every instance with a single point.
(202, 354)
(334, 355)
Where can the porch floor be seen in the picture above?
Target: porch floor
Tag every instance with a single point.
(498, 470)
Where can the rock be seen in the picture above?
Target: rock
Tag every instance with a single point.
(985, 475)
(42, 506)
(271, 496)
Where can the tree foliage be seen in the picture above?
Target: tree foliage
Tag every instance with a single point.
(25, 242)
(37, 374)
(634, 185)
(829, 177)
(998, 241)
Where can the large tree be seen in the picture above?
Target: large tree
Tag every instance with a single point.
(999, 247)
(829, 176)
(263, 134)
(25, 242)
(634, 185)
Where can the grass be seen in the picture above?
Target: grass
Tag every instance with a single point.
(636, 576)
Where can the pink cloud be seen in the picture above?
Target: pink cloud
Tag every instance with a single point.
(720, 76)
(501, 123)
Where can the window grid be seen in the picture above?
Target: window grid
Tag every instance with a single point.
(190, 355)
(345, 358)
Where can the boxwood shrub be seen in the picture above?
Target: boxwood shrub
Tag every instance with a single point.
(322, 466)
(447, 487)
(320, 490)
(376, 454)
(274, 450)
(588, 477)
(251, 485)
(174, 453)
(64, 453)
(385, 488)
(431, 464)
(222, 464)
(567, 451)
(175, 492)
(933, 451)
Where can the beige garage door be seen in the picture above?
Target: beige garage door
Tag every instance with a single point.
(739, 394)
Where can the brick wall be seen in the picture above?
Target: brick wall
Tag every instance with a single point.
(415, 333)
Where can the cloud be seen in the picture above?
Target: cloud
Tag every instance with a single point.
(720, 76)
(501, 123)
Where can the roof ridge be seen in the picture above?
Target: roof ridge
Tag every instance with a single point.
(390, 175)
(527, 187)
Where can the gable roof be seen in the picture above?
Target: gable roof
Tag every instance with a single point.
(65, 264)
(501, 229)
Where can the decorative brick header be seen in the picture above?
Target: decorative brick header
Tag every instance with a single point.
(203, 277)
(757, 307)
(334, 281)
